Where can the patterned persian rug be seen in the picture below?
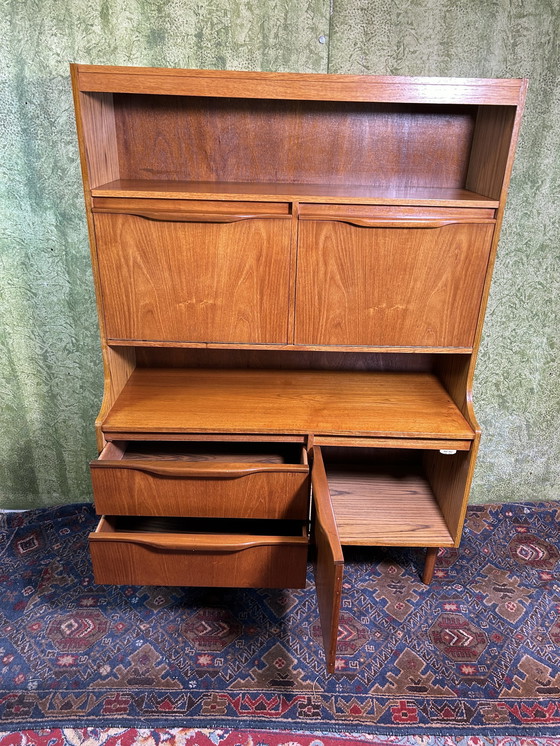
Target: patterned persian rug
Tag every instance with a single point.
(476, 654)
(199, 737)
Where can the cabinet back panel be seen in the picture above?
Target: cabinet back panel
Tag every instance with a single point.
(219, 139)
(151, 357)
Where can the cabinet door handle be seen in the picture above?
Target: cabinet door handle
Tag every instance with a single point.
(195, 217)
(382, 223)
(197, 470)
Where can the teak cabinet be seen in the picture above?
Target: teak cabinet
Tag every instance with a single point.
(291, 274)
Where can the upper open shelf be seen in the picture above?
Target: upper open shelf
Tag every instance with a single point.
(432, 144)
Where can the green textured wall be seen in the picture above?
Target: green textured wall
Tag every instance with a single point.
(50, 366)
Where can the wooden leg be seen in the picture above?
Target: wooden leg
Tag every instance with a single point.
(429, 564)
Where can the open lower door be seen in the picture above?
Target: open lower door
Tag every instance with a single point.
(329, 562)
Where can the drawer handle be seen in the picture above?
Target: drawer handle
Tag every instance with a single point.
(190, 470)
(194, 217)
(222, 543)
(380, 223)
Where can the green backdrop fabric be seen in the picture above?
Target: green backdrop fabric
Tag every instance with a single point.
(50, 363)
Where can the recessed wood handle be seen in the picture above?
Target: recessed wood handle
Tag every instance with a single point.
(217, 543)
(381, 223)
(194, 217)
(190, 470)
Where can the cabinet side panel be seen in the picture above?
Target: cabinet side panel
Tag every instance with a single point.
(455, 372)
(490, 150)
(119, 362)
(100, 138)
(99, 163)
(450, 479)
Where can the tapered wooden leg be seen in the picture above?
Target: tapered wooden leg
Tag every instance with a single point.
(429, 564)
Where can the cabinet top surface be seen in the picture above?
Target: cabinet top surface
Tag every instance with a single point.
(291, 85)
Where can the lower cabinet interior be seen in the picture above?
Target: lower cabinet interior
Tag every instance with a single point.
(383, 497)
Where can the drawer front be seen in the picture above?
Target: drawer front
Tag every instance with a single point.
(391, 281)
(209, 560)
(126, 486)
(195, 276)
(231, 492)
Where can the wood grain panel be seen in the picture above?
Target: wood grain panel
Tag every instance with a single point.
(211, 208)
(210, 437)
(404, 443)
(329, 561)
(374, 508)
(456, 374)
(382, 497)
(123, 557)
(231, 346)
(270, 401)
(392, 286)
(194, 281)
(393, 213)
(118, 364)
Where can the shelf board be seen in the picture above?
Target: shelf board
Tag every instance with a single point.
(378, 404)
(373, 508)
(177, 344)
(270, 192)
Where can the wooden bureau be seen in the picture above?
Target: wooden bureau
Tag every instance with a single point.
(291, 274)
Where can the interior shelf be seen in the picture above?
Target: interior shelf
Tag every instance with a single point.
(385, 502)
(270, 191)
(382, 404)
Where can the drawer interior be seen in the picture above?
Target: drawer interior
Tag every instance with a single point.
(200, 526)
(206, 451)
(393, 497)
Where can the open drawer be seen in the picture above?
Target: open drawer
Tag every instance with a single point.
(381, 497)
(226, 480)
(199, 552)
